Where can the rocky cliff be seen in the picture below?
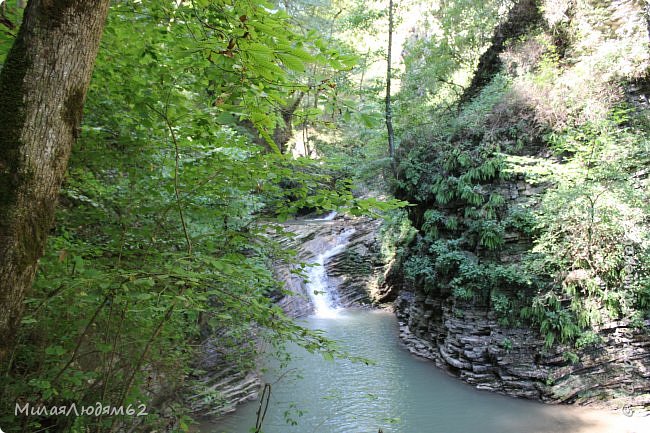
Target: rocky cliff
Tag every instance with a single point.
(469, 342)
(354, 273)
(468, 339)
(509, 282)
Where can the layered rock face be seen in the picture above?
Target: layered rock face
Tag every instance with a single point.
(353, 273)
(467, 341)
(466, 338)
(223, 385)
(454, 274)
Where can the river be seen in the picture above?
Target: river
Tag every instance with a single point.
(398, 392)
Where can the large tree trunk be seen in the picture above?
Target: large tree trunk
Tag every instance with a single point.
(43, 85)
(283, 131)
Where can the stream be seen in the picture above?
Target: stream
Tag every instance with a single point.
(398, 393)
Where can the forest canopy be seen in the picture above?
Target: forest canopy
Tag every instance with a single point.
(508, 162)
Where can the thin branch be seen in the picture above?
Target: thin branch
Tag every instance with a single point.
(81, 337)
(147, 347)
(3, 18)
(264, 403)
(177, 194)
(176, 185)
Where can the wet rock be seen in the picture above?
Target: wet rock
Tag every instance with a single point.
(472, 348)
(223, 383)
(355, 273)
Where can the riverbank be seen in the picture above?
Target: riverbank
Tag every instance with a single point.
(399, 393)
(468, 341)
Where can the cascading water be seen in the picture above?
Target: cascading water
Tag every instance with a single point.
(329, 217)
(322, 295)
(397, 394)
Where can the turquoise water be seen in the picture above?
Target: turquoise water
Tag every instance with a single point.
(399, 393)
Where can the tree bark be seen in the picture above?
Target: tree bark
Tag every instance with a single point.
(389, 108)
(283, 131)
(43, 86)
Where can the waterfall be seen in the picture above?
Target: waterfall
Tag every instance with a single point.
(329, 217)
(322, 295)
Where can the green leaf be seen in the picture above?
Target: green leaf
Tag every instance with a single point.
(55, 350)
(26, 320)
(291, 62)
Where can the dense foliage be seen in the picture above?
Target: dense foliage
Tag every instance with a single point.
(532, 196)
(530, 186)
(164, 235)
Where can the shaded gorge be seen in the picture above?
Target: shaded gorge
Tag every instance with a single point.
(398, 393)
